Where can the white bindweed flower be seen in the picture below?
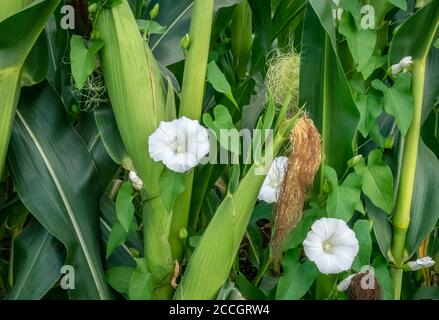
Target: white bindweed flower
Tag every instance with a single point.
(331, 245)
(425, 262)
(179, 144)
(403, 64)
(135, 180)
(271, 186)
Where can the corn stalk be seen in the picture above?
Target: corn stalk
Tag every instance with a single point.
(191, 106)
(135, 88)
(401, 217)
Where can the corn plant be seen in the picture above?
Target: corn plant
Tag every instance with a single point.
(219, 149)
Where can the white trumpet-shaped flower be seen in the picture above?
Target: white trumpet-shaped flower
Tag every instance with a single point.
(271, 186)
(403, 64)
(425, 262)
(331, 245)
(135, 180)
(180, 144)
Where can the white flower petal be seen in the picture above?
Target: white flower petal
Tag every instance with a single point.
(271, 187)
(396, 68)
(403, 64)
(331, 245)
(180, 144)
(425, 262)
(267, 194)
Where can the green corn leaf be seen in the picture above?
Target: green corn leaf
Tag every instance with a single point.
(329, 100)
(20, 26)
(66, 202)
(38, 258)
(109, 133)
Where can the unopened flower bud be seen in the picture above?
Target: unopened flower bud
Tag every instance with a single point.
(92, 8)
(402, 65)
(135, 180)
(425, 262)
(183, 233)
(155, 11)
(354, 161)
(185, 41)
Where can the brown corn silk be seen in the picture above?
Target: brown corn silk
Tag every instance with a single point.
(303, 162)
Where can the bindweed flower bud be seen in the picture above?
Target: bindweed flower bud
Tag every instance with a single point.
(402, 65)
(185, 41)
(135, 180)
(425, 262)
(155, 11)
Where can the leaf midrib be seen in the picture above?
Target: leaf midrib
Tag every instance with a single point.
(71, 214)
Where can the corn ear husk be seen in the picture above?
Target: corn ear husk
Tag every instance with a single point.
(135, 88)
(212, 260)
(134, 85)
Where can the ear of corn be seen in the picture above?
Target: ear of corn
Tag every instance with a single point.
(210, 264)
(135, 88)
